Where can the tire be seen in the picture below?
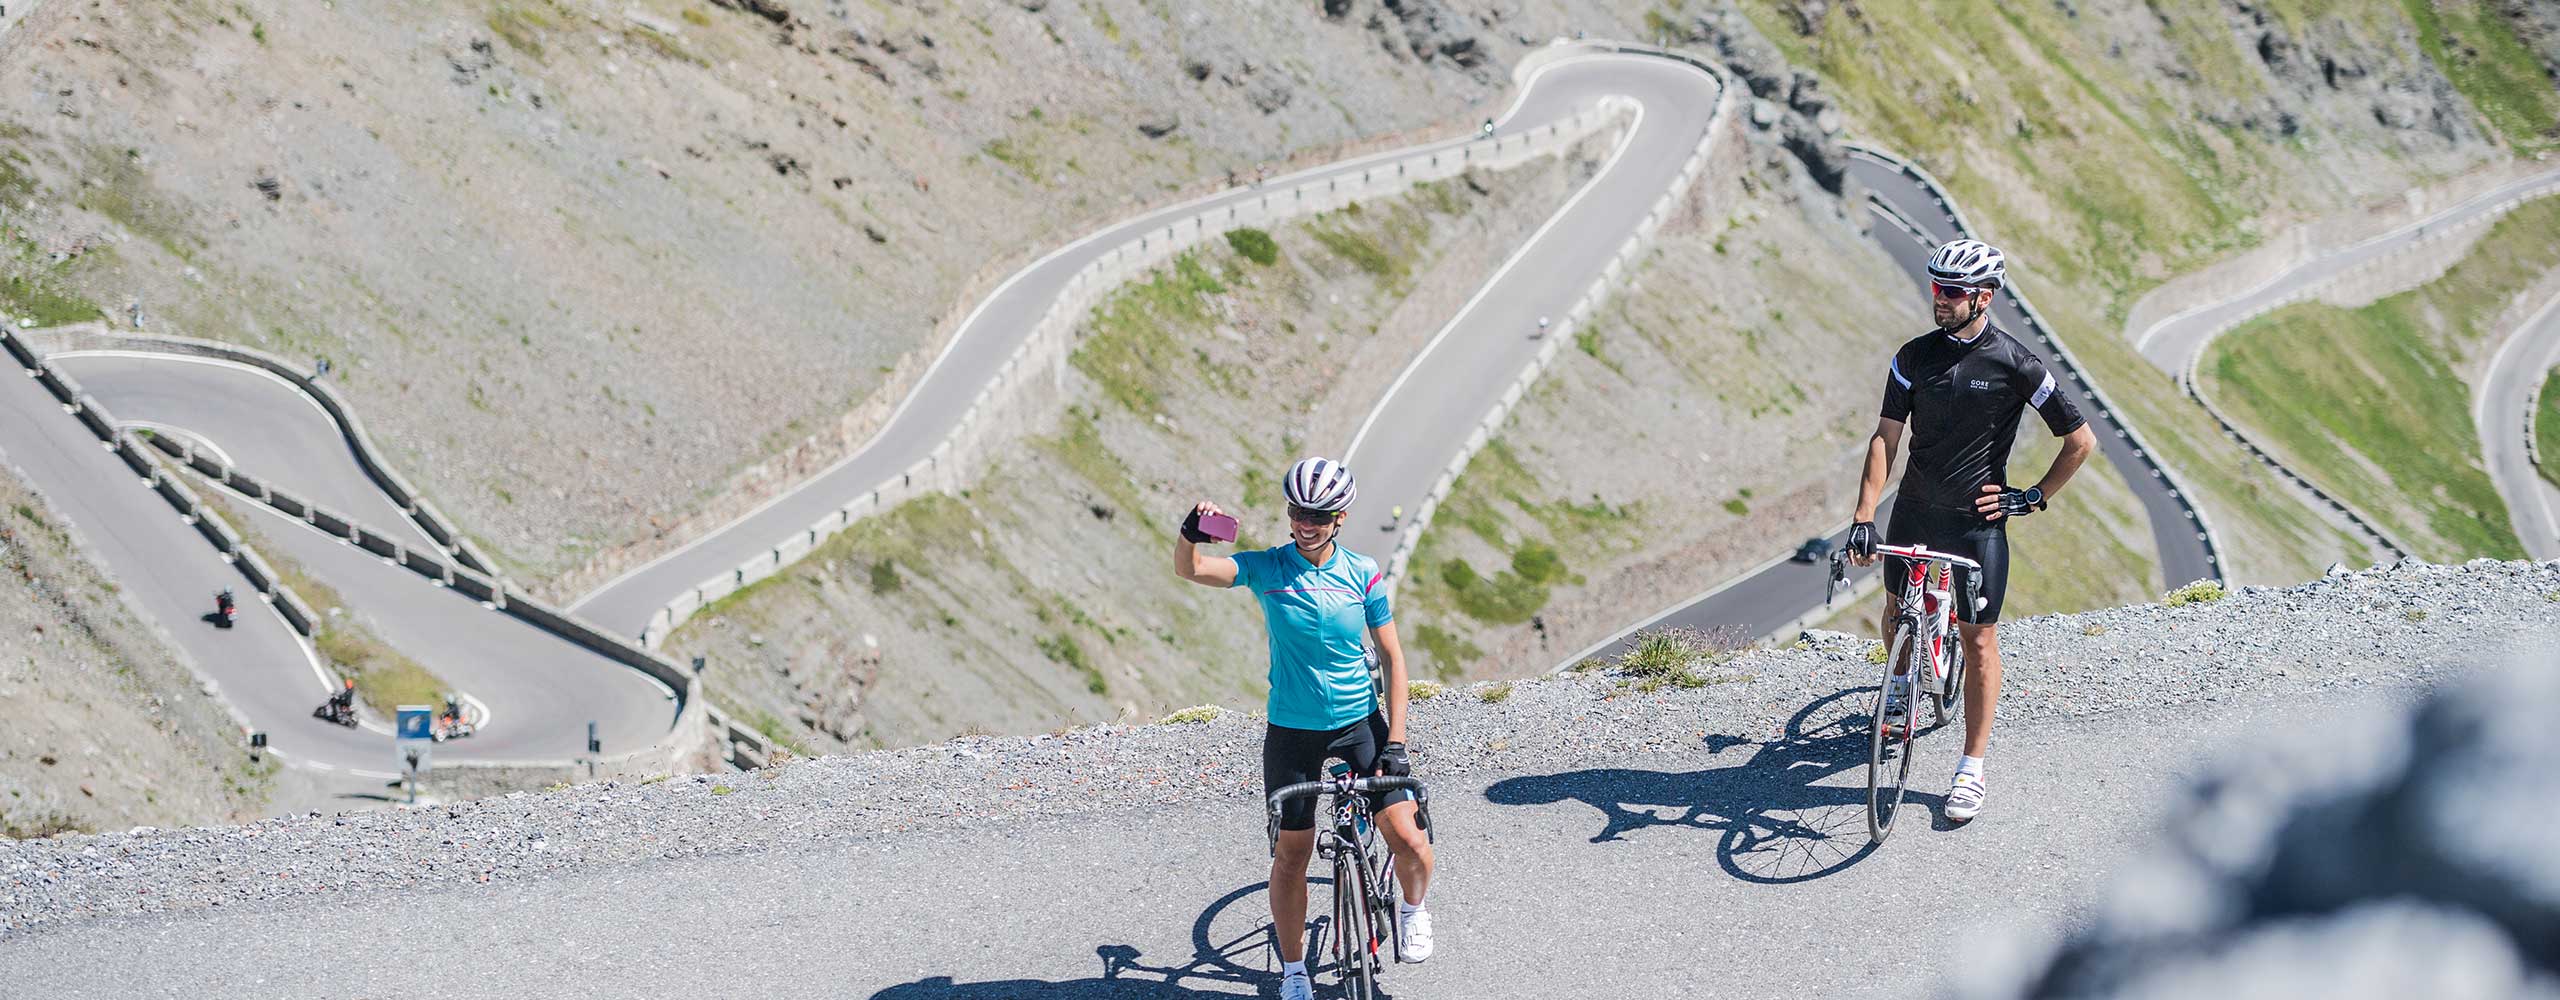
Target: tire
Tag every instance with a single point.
(1952, 702)
(1383, 895)
(1888, 754)
(1353, 940)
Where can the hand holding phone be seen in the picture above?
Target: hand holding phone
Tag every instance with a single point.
(1206, 523)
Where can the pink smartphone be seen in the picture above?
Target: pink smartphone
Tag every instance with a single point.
(1219, 526)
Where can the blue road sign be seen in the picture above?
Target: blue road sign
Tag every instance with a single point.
(416, 723)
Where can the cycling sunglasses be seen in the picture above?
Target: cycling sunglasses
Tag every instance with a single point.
(1951, 292)
(1303, 515)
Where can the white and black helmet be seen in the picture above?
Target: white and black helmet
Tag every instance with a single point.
(1319, 484)
(1971, 263)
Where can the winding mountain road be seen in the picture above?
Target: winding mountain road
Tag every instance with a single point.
(1416, 429)
(2177, 344)
(2174, 343)
(2506, 391)
(540, 690)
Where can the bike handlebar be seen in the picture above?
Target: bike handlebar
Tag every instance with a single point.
(1919, 553)
(1366, 786)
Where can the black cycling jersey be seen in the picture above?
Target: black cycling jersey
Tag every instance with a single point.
(1961, 400)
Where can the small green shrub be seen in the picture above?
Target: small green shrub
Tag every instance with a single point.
(1254, 245)
(1196, 713)
(1495, 695)
(884, 577)
(2199, 592)
(1423, 690)
(2415, 614)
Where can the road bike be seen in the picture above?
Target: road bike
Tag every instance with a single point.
(1364, 870)
(1923, 625)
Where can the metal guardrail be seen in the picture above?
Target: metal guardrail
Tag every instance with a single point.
(2072, 366)
(2532, 411)
(368, 456)
(1053, 337)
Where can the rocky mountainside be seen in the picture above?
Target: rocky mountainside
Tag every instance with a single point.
(588, 268)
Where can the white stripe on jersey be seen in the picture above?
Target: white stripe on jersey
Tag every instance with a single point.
(2043, 392)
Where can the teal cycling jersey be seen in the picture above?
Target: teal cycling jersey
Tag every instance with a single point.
(1318, 617)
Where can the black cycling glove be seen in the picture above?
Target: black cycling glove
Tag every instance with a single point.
(1862, 539)
(1191, 529)
(1393, 762)
(2020, 503)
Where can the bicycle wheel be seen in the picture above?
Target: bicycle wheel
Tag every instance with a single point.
(1383, 896)
(1951, 701)
(1354, 945)
(1888, 749)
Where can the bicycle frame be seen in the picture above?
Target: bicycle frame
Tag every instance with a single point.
(1363, 867)
(1925, 596)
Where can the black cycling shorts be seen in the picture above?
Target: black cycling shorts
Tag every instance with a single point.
(1290, 756)
(1955, 532)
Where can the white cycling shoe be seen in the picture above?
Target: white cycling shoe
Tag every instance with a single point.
(1297, 987)
(1417, 937)
(1964, 798)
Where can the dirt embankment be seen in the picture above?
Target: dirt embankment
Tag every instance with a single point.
(104, 728)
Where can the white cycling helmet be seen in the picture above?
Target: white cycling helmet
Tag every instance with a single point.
(1971, 263)
(1319, 484)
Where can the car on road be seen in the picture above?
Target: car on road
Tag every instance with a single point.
(1813, 550)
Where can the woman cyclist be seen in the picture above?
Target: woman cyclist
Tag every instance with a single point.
(1317, 600)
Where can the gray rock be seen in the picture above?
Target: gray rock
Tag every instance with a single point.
(2423, 864)
(771, 10)
(1160, 125)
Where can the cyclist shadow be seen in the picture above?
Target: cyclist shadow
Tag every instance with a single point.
(1230, 948)
(1781, 820)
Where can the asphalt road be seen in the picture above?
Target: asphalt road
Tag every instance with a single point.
(2509, 387)
(2173, 343)
(1738, 871)
(1401, 456)
(1435, 404)
(540, 690)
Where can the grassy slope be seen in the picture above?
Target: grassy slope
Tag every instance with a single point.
(2493, 68)
(2100, 187)
(2368, 401)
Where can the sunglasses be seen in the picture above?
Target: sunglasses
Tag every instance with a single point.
(1302, 515)
(1951, 292)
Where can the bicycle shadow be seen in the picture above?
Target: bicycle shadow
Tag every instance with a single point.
(1782, 821)
(1231, 955)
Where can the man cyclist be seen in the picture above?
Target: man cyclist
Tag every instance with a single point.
(1960, 389)
(1317, 598)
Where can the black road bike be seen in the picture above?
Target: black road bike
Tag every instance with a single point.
(1364, 871)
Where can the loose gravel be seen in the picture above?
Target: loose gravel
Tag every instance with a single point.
(2403, 622)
